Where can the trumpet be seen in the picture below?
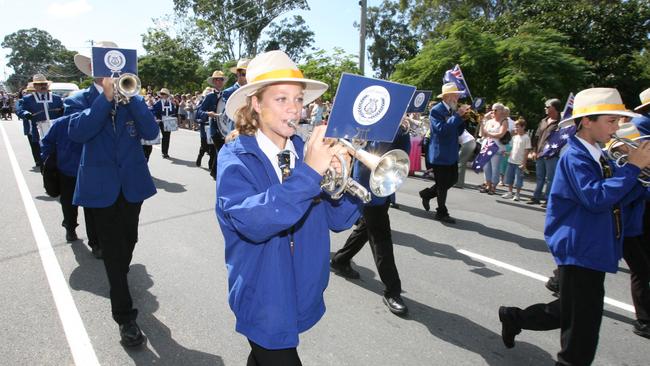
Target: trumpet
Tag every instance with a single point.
(620, 158)
(387, 172)
(418, 127)
(126, 86)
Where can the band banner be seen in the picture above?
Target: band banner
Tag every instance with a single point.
(419, 101)
(368, 109)
(109, 62)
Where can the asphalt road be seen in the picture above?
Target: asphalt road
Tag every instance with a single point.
(178, 281)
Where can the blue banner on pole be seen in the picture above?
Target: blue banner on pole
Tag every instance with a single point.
(368, 109)
(107, 62)
(419, 101)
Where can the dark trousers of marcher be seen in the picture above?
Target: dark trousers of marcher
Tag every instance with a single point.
(261, 356)
(117, 229)
(165, 139)
(218, 144)
(637, 255)
(70, 211)
(203, 149)
(147, 151)
(374, 227)
(578, 313)
(36, 150)
(445, 176)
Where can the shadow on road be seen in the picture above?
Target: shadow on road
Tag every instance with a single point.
(462, 332)
(170, 187)
(432, 249)
(187, 163)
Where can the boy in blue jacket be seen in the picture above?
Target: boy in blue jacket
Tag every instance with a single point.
(584, 228)
(272, 213)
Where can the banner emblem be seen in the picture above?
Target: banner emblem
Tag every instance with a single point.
(114, 60)
(371, 105)
(419, 99)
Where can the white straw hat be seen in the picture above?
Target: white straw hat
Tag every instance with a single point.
(449, 88)
(241, 65)
(40, 79)
(645, 100)
(215, 75)
(83, 62)
(597, 101)
(269, 68)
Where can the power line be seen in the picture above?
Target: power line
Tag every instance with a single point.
(260, 17)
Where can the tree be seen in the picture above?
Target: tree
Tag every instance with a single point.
(293, 37)
(392, 41)
(36, 51)
(328, 68)
(235, 26)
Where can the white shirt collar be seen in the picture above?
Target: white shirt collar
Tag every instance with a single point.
(594, 151)
(99, 88)
(446, 106)
(271, 151)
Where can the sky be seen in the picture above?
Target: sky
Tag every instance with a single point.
(76, 22)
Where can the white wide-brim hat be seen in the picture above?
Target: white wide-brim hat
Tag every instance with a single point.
(40, 79)
(241, 65)
(270, 68)
(645, 100)
(83, 62)
(597, 101)
(215, 75)
(449, 88)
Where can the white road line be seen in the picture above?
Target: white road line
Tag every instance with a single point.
(75, 332)
(609, 301)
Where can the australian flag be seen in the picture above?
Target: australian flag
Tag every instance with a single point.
(455, 76)
(558, 138)
(488, 150)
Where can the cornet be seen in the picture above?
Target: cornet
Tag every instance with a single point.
(418, 127)
(126, 86)
(387, 172)
(620, 158)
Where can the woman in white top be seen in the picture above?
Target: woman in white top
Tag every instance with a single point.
(492, 130)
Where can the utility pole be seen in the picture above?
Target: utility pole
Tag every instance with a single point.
(362, 36)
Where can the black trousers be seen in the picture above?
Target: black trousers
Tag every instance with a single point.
(578, 313)
(147, 151)
(636, 253)
(261, 356)
(165, 139)
(117, 229)
(70, 211)
(218, 144)
(374, 226)
(36, 150)
(445, 176)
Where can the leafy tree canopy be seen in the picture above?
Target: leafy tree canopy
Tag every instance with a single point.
(328, 68)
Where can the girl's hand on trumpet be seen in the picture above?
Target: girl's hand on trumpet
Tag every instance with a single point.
(319, 151)
(640, 156)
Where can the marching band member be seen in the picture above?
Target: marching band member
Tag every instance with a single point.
(68, 155)
(374, 227)
(34, 144)
(5, 105)
(210, 110)
(446, 126)
(39, 108)
(165, 111)
(583, 228)
(113, 180)
(272, 212)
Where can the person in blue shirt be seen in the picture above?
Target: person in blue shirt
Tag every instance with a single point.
(113, 180)
(273, 215)
(39, 109)
(584, 228)
(165, 108)
(68, 155)
(446, 125)
(211, 109)
(374, 227)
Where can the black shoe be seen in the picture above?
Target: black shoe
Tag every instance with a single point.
(71, 235)
(642, 329)
(198, 161)
(543, 205)
(165, 156)
(533, 201)
(446, 219)
(344, 270)
(508, 327)
(425, 201)
(553, 285)
(131, 334)
(97, 252)
(396, 305)
(395, 206)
